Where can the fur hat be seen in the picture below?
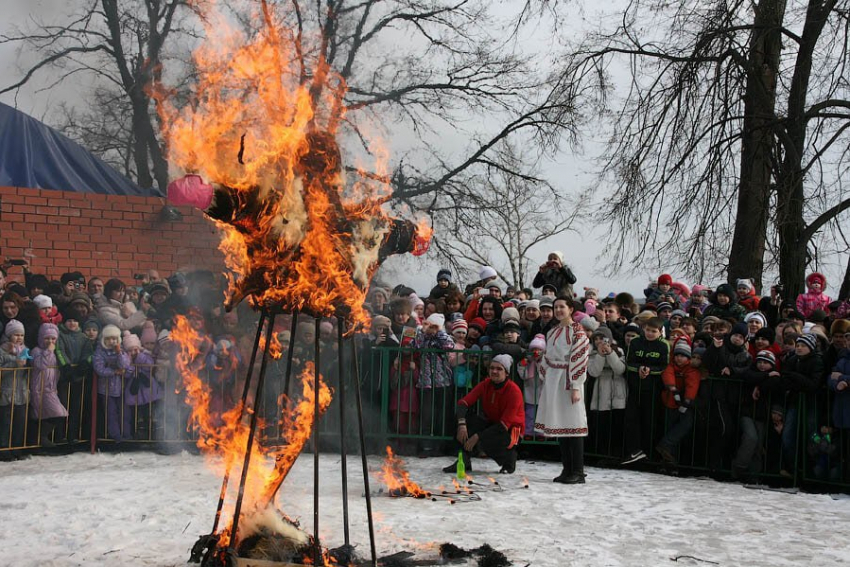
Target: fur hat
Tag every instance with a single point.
(444, 274)
(43, 301)
(381, 321)
(682, 288)
(745, 283)
(486, 272)
(459, 324)
(131, 341)
(538, 342)
(401, 306)
(683, 348)
(591, 292)
(839, 326)
(437, 319)
(110, 331)
(757, 315)
(80, 297)
(665, 279)
(766, 356)
(810, 340)
(505, 360)
(816, 277)
(12, 327)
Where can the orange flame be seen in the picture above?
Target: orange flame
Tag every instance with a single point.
(223, 438)
(263, 127)
(396, 478)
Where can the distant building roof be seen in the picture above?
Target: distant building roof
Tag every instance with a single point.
(35, 155)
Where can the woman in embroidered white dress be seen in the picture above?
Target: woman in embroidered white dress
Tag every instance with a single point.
(561, 412)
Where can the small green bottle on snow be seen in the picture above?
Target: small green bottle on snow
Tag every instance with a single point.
(461, 466)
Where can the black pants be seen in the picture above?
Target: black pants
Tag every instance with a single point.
(76, 396)
(572, 454)
(436, 415)
(493, 439)
(13, 423)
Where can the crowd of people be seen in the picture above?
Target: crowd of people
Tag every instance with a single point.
(721, 378)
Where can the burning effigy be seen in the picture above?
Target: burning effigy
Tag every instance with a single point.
(257, 148)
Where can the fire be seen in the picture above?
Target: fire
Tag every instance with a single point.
(223, 438)
(397, 479)
(262, 128)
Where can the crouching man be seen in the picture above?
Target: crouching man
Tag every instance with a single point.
(496, 432)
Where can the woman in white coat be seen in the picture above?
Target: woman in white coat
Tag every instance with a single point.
(561, 411)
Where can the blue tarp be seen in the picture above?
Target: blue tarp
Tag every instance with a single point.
(35, 155)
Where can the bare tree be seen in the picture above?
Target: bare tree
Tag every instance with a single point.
(521, 213)
(120, 46)
(731, 122)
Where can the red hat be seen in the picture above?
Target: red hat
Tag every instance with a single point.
(816, 277)
(478, 323)
(665, 279)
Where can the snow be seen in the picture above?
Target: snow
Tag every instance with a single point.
(148, 509)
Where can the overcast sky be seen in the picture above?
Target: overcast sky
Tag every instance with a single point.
(571, 173)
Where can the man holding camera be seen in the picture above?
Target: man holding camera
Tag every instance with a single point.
(555, 273)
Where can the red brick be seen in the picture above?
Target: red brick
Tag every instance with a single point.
(37, 201)
(122, 224)
(12, 198)
(25, 209)
(79, 222)
(111, 214)
(101, 222)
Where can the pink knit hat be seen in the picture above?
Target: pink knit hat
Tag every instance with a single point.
(131, 341)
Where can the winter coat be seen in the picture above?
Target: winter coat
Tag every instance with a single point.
(110, 314)
(774, 348)
(564, 369)
(562, 278)
(434, 369)
(438, 292)
(140, 389)
(750, 302)
(515, 350)
(841, 402)
(798, 375)
(737, 360)
(729, 311)
(74, 352)
(610, 390)
(14, 379)
(757, 409)
(655, 355)
(500, 404)
(44, 395)
(532, 379)
(685, 379)
(108, 365)
(812, 301)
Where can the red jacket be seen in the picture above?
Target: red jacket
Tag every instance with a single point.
(683, 378)
(503, 406)
(750, 302)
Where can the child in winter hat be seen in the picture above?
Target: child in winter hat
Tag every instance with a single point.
(532, 379)
(814, 298)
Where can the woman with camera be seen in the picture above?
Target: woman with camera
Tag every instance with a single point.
(555, 273)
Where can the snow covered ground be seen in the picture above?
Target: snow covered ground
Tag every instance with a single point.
(148, 509)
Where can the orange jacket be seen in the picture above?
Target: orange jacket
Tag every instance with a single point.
(684, 378)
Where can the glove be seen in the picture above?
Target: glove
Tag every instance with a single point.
(677, 397)
(685, 405)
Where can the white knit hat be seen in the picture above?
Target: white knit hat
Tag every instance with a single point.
(437, 319)
(42, 301)
(505, 360)
(486, 272)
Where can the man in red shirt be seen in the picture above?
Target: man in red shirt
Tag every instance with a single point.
(496, 432)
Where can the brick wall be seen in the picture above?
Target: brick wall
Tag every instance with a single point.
(104, 235)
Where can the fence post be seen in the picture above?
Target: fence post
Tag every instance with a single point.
(93, 432)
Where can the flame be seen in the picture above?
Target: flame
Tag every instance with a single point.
(397, 479)
(263, 124)
(223, 438)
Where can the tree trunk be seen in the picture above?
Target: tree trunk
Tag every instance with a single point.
(746, 256)
(844, 292)
(790, 223)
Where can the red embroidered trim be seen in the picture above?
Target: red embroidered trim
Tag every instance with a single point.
(561, 431)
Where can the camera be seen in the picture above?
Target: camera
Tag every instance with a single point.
(779, 289)
(18, 262)
(138, 276)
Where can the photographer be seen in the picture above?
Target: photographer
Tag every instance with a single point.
(555, 273)
(771, 305)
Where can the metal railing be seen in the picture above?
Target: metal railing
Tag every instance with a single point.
(731, 435)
